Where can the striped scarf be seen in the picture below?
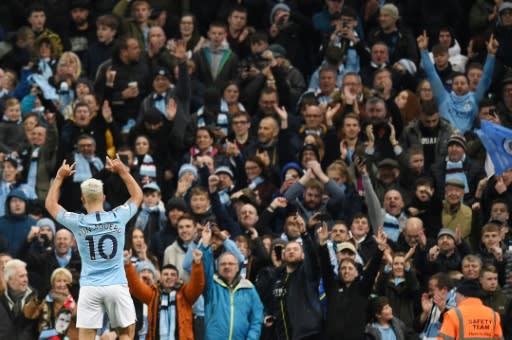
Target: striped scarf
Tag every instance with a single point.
(456, 170)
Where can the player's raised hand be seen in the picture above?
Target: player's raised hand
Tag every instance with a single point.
(65, 170)
(115, 165)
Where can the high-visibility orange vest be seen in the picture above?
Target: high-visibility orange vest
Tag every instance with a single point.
(471, 320)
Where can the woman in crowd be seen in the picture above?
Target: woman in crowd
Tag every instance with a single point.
(55, 312)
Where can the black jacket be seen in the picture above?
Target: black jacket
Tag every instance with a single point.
(400, 329)
(347, 306)
(296, 303)
(402, 296)
(16, 327)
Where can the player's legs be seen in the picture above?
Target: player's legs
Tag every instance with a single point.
(86, 334)
(120, 309)
(126, 333)
(89, 312)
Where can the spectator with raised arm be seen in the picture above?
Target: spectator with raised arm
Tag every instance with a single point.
(347, 297)
(295, 311)
(232, 304)
(169, 302)
(459, 107)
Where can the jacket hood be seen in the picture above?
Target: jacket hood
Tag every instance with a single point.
(16, 192)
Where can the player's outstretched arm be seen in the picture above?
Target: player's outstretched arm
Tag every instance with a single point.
(115, 165)
(52, 199)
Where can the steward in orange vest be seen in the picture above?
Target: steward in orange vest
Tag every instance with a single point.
(470, 319)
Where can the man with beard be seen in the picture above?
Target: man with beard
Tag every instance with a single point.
(429, 132)
(81, 32)
(447, 254)
(124, 80)
(296, 312)
(380, 131)
(274, 144)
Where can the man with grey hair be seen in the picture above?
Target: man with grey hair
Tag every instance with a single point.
(13, 324)
(100, 238)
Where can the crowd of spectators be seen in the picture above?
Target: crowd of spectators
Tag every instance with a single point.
(310, 168)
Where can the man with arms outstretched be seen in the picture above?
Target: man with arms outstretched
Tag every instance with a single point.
(100, 238)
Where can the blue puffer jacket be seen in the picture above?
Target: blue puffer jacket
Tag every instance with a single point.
(230, 313)
(15, 227)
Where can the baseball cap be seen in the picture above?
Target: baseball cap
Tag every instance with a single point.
(162, 71)
(388, 162)
(224, 170)
(151, 186)
(505, 5)
(457, 182)
(446, 231)
(346, 246)
(277, 50)
(390, 10)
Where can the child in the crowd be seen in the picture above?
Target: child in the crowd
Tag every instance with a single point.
(151, 216)
(385, 325)
(12, 133)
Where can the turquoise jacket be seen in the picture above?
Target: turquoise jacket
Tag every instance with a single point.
(230, 313)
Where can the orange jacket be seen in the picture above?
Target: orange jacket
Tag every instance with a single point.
(470, 320)
(185, 298)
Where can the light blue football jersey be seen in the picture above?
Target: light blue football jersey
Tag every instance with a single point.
(100, 238)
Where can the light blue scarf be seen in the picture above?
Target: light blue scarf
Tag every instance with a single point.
(83, 170)
(32, 170)
(168, 316)
(456, 170)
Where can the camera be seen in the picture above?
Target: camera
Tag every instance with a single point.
(381, 129)
(124, 159)
(46, 243)
(279, 251)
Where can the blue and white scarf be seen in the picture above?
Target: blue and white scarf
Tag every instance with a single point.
(391, 227)
(32, 170)
(456, 170)
(255, 182)
(44, 68)
(83, 169)
(168, 316)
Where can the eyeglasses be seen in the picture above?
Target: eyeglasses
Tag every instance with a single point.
(90, 145)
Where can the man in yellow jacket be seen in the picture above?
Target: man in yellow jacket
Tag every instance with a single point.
(470, 319)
